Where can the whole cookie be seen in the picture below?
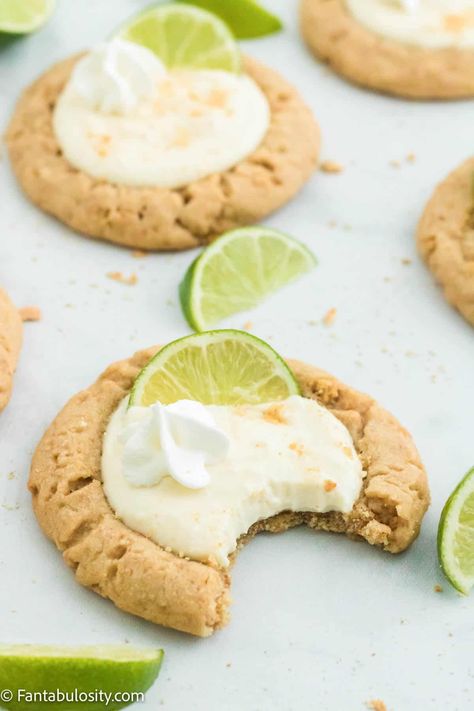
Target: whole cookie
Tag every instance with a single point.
(383, 64)
(446, 237)
(10, 344)
(159, 218)
(141, 577)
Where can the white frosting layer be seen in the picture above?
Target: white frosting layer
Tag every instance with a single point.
(435, 24)
(292, 455)
(125, 119)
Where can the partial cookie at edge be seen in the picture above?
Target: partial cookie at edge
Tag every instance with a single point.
(382, 64)
(10, 344)
(141, 577)
(446, 238)
(158, 218)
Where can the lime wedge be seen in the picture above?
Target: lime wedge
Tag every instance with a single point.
(237, 271)
(456, 536)
(185, 37)
(225, 367)
(24, 16)
(246, 18)
(120, 672)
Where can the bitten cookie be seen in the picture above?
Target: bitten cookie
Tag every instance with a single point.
(143, 578)
(446, 238)
(154, 218)
(383, 63)
(10, 344)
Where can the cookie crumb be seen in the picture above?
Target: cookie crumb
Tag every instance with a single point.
(329, 317)
(394, 163)
(406, 262)
(139, 254)
(376, 705)
(411, 158)
(331, 166)
(248, 325)
(30, 313)
(118, 276)
(329, 485)
(297, 448)
(275, 415)
(438, 588)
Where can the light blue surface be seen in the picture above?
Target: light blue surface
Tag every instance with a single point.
(318, 621)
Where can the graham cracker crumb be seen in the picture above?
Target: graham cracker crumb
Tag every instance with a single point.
(329, 485)
(405, 261)
(274, 415)
(438, 588)
(30, 313)
(139, 254)
(331, 166)
(248, 325)
(298, 448)
(330, 317)
(118, 276)
(376, 705)
(411, 158)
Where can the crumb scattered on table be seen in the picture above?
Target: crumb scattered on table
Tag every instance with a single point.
(248, 325)
(331, 166)
(394, 163)
(139, 253)
(411, 158)
(376, 705)
(330, 317)
(438, 588)
(122, 279)
(405, 261)
(30, 313)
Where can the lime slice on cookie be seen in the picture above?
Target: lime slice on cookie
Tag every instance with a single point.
(237, 271)
(24, 16)
(246, 18)
(122, 673)
(185, 37)
(456, 536)
(225, 367)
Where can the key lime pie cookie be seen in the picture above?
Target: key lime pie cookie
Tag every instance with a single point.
(162, 146)
(10, 344)
(446, 238)
(151, 480)
(419, 49)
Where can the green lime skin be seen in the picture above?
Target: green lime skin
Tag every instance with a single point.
(246, 19)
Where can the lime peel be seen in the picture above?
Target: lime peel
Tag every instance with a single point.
(456, 536)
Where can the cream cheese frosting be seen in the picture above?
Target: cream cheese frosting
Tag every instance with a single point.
(124, 118)
(434, 24)
(291, 455)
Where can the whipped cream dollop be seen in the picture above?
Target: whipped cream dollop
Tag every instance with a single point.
(176, 440)
(434, 24)
(123, 117)
(252, 462)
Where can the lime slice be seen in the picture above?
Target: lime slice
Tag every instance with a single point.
(225, 367)
(185, 37)
(120, 672)
(246, 18)
(456, 536)
(237, 271)
(24, 16)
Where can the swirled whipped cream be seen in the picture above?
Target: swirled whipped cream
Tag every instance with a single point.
(195, 478)
(434, 24)
(124, 118)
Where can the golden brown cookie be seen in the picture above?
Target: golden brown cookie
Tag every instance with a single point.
(446, 237)
(141, 577)
(10, 344)
(385, 65)
(159, 218)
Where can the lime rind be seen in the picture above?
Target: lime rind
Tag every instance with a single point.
(246, 18)
(251, 263)
(184, 37)
(25, 22)
(456, 536)
(261, 375)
